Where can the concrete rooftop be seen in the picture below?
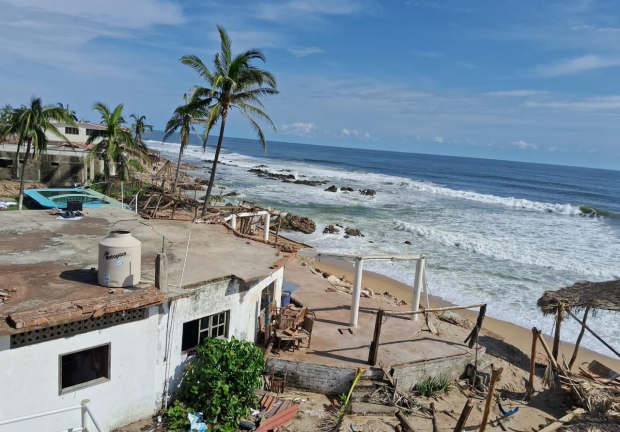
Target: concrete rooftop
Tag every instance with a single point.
(402, 339)
(45, 261)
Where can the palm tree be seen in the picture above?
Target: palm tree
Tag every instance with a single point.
(71, 113)
(29, 123)
(183, 121)
(115, 145)
(234, 83)
(140, 126)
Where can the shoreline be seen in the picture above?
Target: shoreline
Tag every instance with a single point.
(509, 333)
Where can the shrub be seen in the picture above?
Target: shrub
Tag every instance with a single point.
(177, 417)
(432, 387)
(221, 383)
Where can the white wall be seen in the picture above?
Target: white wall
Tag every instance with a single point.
(243, 305)
(29, 378)
(80, 138)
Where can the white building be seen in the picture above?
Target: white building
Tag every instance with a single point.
(65, 339)
(77, 135)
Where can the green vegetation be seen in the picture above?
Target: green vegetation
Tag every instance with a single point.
(116, 147)
(234, 82)
(220, 384)
(139, 127)
(28, 124)
(183, 121)
(433, 387)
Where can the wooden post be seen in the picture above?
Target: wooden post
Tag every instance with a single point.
(278, 228)
(405, 422)
(472, 339)
(600, 339)
(558, 325)
(495, 373)
(161, 272)
(583, 330)
(460, 424)
(546, 348)
(530, 390)
(374, 345)
(434, 419)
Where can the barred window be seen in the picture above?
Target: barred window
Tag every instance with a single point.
(196, 331)
(71, 131)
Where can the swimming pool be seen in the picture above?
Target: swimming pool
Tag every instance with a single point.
(58, 198)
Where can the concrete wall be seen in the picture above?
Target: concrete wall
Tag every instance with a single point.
(243, 304)
(54, 167)
(30, 378)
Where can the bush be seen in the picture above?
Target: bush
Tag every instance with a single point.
(432, 387)
(177, 417)
(221, 383)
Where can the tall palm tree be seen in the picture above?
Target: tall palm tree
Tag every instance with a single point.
(139, 127)
(183, 120)
(71, 113)
(234, 83)
(115, 145)
(29, 123)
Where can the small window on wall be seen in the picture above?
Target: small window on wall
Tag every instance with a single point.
(6, 163)
(195, 332)
(72, 130)
(84, 368)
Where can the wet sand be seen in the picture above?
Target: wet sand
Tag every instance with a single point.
(509, 333)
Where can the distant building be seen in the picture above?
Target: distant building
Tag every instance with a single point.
(77, 135)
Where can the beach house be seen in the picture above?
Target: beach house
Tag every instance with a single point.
(70, 347)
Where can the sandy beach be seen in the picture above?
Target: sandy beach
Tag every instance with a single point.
(512, 334)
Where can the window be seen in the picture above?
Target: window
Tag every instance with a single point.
(84, 368)
(195, 332)
(6, 163)
(72, 131)
(90, 132)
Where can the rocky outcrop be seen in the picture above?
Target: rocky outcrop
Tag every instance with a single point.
(347, 189)
(368, 192)
(302, 224)
(310, 182)
(201, 181)
(407, 242)
(232, 194)
(353, 232)
(330, 229)
(272, 176)
(332, 188)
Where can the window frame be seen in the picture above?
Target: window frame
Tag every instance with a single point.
(96, 381)
(209, 328)
(69, 130)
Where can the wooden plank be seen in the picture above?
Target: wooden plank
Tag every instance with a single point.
(406, 424)
(460, 424)
(561, 422)
(374, 345)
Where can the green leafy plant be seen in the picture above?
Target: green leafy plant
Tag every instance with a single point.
(434, 386)
(221, 383)
(177, 417)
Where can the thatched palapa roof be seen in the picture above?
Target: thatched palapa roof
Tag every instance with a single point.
(595, 295)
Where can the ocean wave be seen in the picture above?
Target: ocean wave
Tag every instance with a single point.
(502, 250)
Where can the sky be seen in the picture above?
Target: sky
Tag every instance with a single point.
(525, 80)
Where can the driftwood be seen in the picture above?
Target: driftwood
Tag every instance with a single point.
(495, 373)
(530, 389)
(460, 424)
(583, 330)
(406, 424)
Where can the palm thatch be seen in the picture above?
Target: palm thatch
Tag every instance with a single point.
(593, 295)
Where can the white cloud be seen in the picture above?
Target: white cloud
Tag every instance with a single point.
(523, 145)
(602, 103)
(298, 128)
(516, 93)
(345, 132)
(309, 9)
(576, 65)
(303, 52)
(438, 139)
(367, 135)
(552, 148)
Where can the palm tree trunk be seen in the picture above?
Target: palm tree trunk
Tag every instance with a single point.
(176, 177)
(215, 159)
(106, 177)
(21, 181)
(16, 163)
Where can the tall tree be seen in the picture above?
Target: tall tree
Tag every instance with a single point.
(71, 113)
(29, 123)
(139, 127)
(234, 82)
(183, 120)
(115, 145)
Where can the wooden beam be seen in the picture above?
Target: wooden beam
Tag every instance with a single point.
(374, 345)
(434, 418)
(460, 424)
(594, 334)
(561, 422)
(559, 317)
(396, 313)
(495, 373)
(583, 330)
(530, 389)
(407, 426)
(546, 348)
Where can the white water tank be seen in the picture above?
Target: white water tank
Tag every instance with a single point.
(120, 259)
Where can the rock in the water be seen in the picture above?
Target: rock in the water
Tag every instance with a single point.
(353, 232)
(407, 242)
(330, 229)
(310, 182)
(271, 176)
(347, 189)
(292, 222)
(332, 188)
(368, 192)
(231, 194)
(201, 181)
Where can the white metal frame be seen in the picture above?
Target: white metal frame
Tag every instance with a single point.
(233, 220)
(83, 407)
(358, 260)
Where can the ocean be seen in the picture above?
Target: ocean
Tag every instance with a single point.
(494, 231)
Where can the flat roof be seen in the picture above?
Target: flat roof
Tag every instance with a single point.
(45, 261)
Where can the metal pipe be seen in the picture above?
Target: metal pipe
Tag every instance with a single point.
(266, 233)
(42, 414)
(84, 414)
(94, 420)
(357, 291)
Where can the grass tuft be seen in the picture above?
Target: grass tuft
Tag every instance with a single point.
(433, 386)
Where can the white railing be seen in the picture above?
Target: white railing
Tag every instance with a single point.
(83, 407)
